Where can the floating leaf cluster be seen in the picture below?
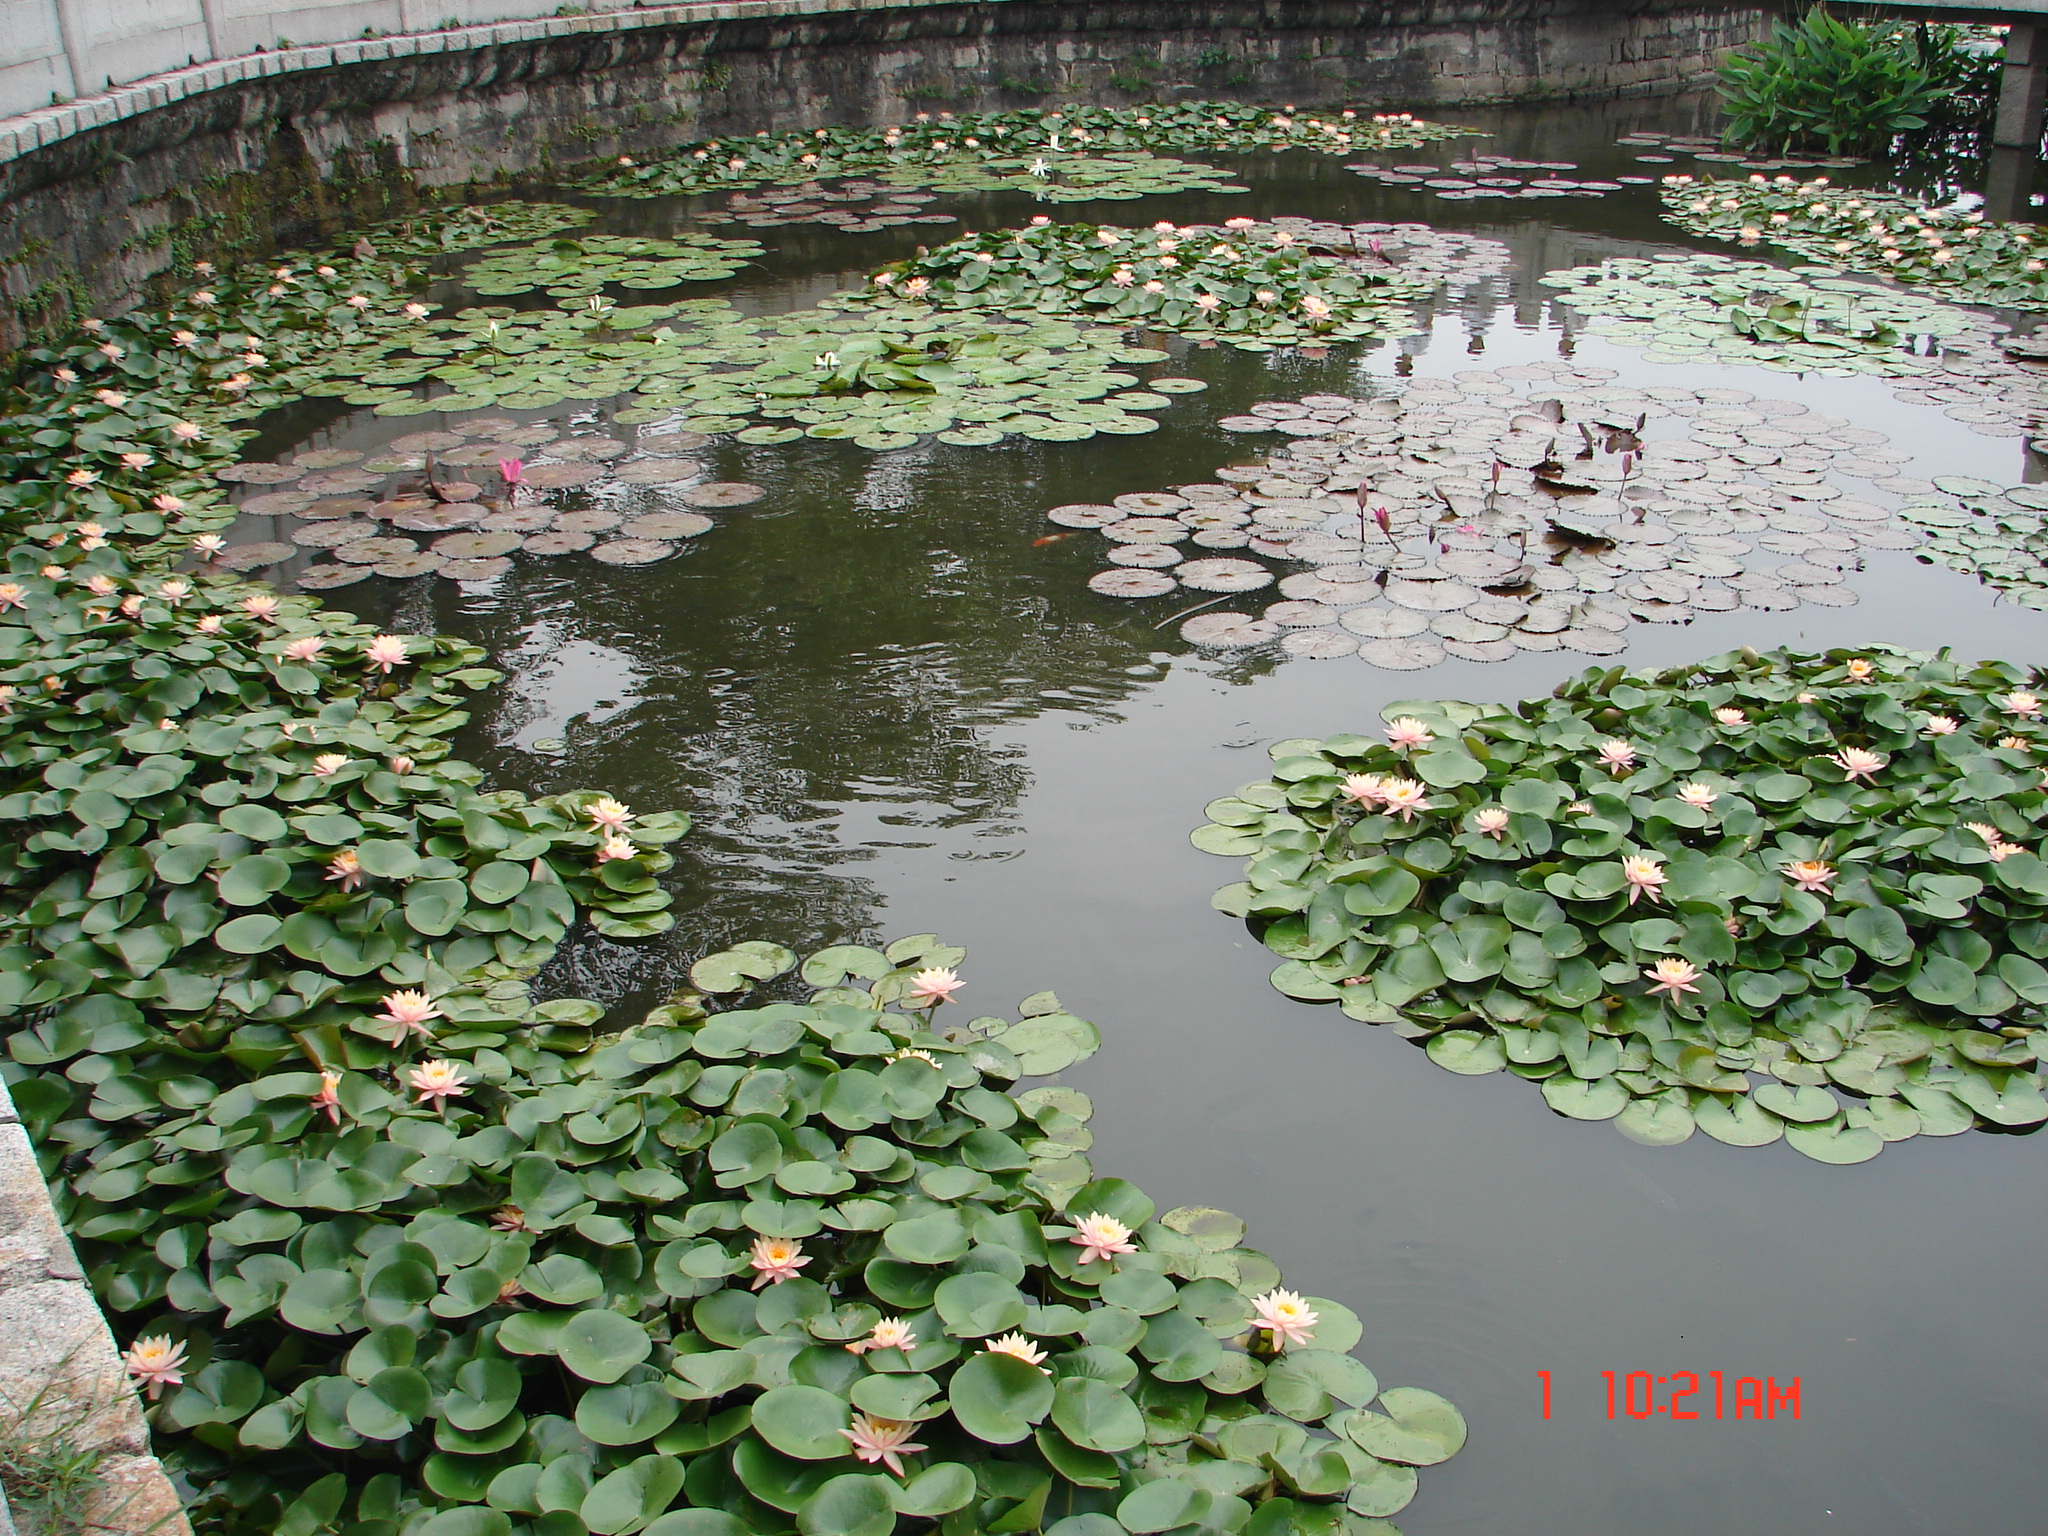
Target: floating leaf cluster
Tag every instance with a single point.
(1792, 895)
(1688, 308)
(575, 269)
(914, 152)
(804, 1260)
(856, 205)
(1959, 253)
(1062, 178)
(1486, 176)
(1996, 533)
(1259, 283)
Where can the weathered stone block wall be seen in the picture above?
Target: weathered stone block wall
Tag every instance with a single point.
(283, 157)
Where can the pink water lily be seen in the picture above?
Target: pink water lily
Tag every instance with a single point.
(1731, 717)
(262, 608)
(346, 868)
(2020, 702)
(437, 1081)
(1810, 875)
(1699, 796)
(305, 648)
(609, 813)
(155, 1363)
(1857, 763)
(1363, 788)
(1407, 733)
(2001, 851)
(929, 988)
(1672, 976)
(1286, 1316)
(385, 652)
(328, 1098)
(1017, 1347)
(408, 1011)
(1644, 876)
(889, 1333)
(1941, 725)
(1616, 755)
(329, 763)
(883, 1440)
(1404, 797)
(1493, 821)
(1101, 1237)
(614, 847)
(1860, 669)
(775, 1259)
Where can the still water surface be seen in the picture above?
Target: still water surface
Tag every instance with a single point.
(891, 712)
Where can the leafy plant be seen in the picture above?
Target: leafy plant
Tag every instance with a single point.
(574, 269)
(914, 153)
(1070, 178)
(1962, 253)
(1847, 87)
(1781, 895)
(1998, 534)
(754, 1262)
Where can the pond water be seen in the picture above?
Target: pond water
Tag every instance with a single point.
(893, 708)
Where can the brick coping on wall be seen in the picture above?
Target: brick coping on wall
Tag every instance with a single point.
(47, 125)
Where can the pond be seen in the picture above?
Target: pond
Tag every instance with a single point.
(888, 695)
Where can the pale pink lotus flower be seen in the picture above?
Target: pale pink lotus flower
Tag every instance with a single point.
(1286, 1316)
(1806, 698)
(164, 501)
(911, 1053)
(100, 584)
(415, 311)
(1814, 876)
(1859, 669)
(262, 608)
(1208, 303)
(889, 1333)
(155, 1363)
(81, 477)
(1673, 976)
(2020, 702)
(1985, 830)
(185, 338)
(1698, 795)
(174, 590)
(512, 471)
(929, 988)
(1017, 1345)
(1407, 733)
(385, 652)
(235, 385)
(1266, 298)
(408, 1011)
(211, 624)
(2001, 851)
(1363, 788)
(1644, 877)
(1404, 797)
(609, 813)
(1315, 308)
(131, 605)
(305, 648)
(775, 1259)
(64, 375)
(614, 847)
(1857, 763)
(358, 301)
(2015, 744)
(437, 1082)
(329, 763)
(508, 1218)
(1101, 1237)
(329, 1097)
(1616, 755)
(884, 1440)
(402, 766)
(12, 595)
(346, 868)
(207, 546)
(112, 398)
(916, 288)
(1123, 277)
(1941, 725)
(1731, 717)
(1492, 820)
(52, 573)
(1155, 286)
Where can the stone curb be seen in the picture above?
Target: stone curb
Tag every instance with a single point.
(31, 131)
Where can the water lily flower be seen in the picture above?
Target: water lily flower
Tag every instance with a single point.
(1699, 795)
(211, 624)
(164, 501)
(1985, 830)
(437, 1081)
(916, 288)
(1040, 168)
(1644, 876)
(1266, 298)
(1860, 669)
(911, 1053)
(358, 301)
(889, 1333)
(607, 812)
(100, 584)
(329, 763)
(2015, 744)
(111, 350)
(1315, 308)
(614, 847)
(1363, 788)
(508, 1218)
(2021, 703)
(416, 311)
(1240, 223)
(1407, 733)
(1493, 821)
(328, 1098)
(64, 375)
(1101, 1237)
(2001, 851)
(1616, 755)
(1857, 763)
(1017, 1345)
(408, 1011)
(401, 765)
(112, 398)
(1810, 875)
(1731, 718)
(237, 384)
(1208, 303)
(174, 590)
(131, 605)
(155, 1363)
(883, 1440)
(1941, 725)
(305, 648)
(385, 652)
(1123, 277)
(1404, 797)
(1286, 1316)
(929, 988)
(1672, 976)
(346, 868)
(12, 595)
(81, 477)
(775, 1259)
(262, 608)
(136, 459)
(1155, 286)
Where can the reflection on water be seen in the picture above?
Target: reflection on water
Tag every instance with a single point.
(891, 708)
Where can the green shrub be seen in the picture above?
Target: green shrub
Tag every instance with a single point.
(1847, 87)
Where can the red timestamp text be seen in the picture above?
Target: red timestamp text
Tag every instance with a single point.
(1686, 1395)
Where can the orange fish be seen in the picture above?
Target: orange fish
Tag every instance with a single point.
(1050, 538)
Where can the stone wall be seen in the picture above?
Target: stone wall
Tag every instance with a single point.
(61, 1377)
(271, 153)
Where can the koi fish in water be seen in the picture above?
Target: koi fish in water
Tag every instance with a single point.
(1050, 538)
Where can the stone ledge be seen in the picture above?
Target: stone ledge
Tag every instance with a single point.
(47, 125)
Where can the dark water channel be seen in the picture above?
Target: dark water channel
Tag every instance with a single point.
(892, 712)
